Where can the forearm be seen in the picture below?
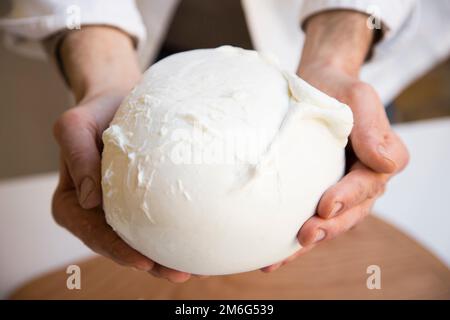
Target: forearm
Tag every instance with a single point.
(96, 58)
(338, 38)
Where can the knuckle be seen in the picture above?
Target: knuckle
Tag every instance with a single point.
(333, 195)
(360, 190)
(68, 120)
(77, 158)
(358, 90)
(375, 188)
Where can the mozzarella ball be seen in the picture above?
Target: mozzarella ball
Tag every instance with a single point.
(217, 157)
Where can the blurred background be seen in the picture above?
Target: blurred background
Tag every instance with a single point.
(30, 106)
(33, 96)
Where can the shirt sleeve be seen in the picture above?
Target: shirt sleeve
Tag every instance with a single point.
(391, 14)
(30, 22)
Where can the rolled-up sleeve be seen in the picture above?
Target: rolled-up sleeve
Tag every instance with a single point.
(391, 13)
(33, 21)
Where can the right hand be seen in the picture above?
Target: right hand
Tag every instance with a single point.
(78, 196)
(101, 73)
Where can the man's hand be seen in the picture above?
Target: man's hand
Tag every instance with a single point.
(101, 67)
(336, 45)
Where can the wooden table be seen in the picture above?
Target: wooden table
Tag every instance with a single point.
(334, 270)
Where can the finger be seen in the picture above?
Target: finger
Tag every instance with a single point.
(398, 150)
(76, 134)
(372, 139)
(65, 182)
(272, 267)
(172, 275)
(292, 257)
(91, 227)
(155, 274)
(360, 184)
(200, 276)
(317, 229)
(297, 254)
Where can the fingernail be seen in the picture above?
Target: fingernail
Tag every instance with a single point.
(87, 186)
(383, 152)
(320, 235)
(336, 208)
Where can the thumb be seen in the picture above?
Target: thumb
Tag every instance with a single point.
(76, 134)
(372, 138)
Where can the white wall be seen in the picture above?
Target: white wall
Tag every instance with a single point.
(32, 95)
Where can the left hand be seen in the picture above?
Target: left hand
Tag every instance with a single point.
(346, 203)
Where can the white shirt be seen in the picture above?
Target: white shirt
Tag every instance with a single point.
(417, 32)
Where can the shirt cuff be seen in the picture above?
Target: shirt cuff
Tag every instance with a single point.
(32, 23)
(391, 14)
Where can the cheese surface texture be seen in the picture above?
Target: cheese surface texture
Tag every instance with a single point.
(216, 159)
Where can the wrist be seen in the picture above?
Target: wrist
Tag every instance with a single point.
(339, 39)
(98, 59)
